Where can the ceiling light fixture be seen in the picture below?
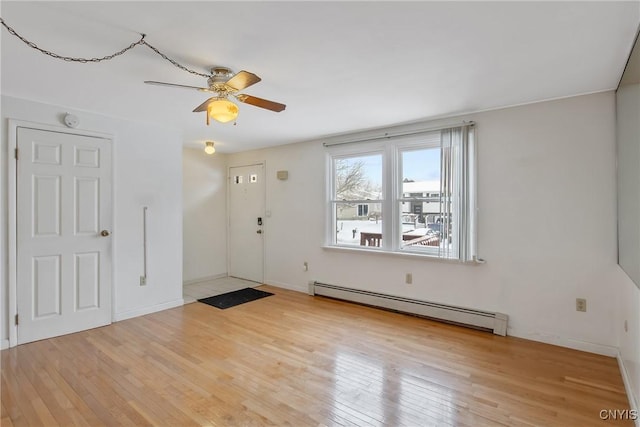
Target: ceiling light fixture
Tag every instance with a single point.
(209, 148)
(222, 110)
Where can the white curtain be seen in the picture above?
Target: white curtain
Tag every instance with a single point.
(458, 193)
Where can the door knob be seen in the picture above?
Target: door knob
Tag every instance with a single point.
(259, 231)
(104, 233)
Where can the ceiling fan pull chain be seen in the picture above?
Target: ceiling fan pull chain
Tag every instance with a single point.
(104, 58)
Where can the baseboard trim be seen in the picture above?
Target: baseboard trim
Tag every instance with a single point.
(204, 279)
(589, 347)
(300, 288)
(4, 345)
(633, 403)
(148, 310)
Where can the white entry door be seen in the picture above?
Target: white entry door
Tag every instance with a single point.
(246, 220)
(63, 233)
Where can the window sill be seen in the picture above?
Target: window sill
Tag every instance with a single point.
(401, 254)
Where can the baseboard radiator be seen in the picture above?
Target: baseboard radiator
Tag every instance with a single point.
(495, 322)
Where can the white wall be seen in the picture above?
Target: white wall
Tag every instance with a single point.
(147, 172)
(204, 215)
(628, 136)
(629, 341)
(628, 144)
(547, 225)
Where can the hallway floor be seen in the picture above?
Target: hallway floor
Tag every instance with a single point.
(193, 292)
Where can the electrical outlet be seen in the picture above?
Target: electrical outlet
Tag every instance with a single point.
(305, 266)
(408, 279)
(143, 281)
(581, 304)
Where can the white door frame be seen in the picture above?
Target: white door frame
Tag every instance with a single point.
(262, 163)
(12, 184)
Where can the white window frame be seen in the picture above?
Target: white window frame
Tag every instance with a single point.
(402, 145)
(392, 196)
(343, 153)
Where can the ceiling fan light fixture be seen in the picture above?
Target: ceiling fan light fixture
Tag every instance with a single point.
(209, 147)
(222, 110)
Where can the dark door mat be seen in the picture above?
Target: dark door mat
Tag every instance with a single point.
(231, 299)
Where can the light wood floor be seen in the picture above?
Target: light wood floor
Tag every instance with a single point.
(292, 359)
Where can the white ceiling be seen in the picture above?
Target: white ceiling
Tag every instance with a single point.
(339, 66)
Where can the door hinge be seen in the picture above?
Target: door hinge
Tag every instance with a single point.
(15, 153)
(16, 319)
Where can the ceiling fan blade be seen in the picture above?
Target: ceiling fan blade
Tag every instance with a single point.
(204, 105)
(150, 82)
(262, 103)
(243, 79)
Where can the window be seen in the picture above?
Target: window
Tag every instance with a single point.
(357, 193)
(413, 193)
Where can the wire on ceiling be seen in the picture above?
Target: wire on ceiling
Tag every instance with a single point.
(142, 41)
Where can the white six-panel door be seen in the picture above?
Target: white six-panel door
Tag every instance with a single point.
(63, 233)
(246, 205)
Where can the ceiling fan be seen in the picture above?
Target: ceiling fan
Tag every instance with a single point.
(223, 83)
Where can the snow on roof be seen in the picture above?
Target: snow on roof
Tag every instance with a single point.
(421, 187)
